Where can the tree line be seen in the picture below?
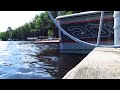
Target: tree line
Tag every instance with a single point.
(39, 26)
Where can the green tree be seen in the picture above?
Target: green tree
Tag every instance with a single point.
(50, 32)
(9, 32)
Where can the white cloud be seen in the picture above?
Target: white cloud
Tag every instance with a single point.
(15, 18)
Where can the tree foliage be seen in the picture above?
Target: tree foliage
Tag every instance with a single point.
(50, 33)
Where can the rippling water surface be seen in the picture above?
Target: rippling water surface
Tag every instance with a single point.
(19, 60)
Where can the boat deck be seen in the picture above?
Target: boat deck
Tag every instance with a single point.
(46, 41)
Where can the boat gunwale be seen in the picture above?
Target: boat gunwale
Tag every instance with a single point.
(80, 14)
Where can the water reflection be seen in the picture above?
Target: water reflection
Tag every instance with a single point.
(22, 60)
(59, 65)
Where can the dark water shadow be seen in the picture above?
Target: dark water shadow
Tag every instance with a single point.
(58, 64)
(67, 62)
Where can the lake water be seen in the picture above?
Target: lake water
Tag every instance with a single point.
(20, 60)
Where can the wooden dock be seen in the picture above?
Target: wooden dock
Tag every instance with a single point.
(101, 63)
(46, 41)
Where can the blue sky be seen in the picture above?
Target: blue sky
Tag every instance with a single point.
(15, 19)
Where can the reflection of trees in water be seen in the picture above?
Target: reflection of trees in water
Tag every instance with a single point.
(59, 65)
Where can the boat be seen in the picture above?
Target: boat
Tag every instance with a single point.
(85, 26)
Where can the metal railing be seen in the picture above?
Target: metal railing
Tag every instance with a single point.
(78, 40)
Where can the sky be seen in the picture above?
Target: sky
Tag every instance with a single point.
(14, 19)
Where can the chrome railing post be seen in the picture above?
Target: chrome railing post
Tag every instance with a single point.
(116, 28)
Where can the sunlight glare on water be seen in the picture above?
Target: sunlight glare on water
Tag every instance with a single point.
(17, 61)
